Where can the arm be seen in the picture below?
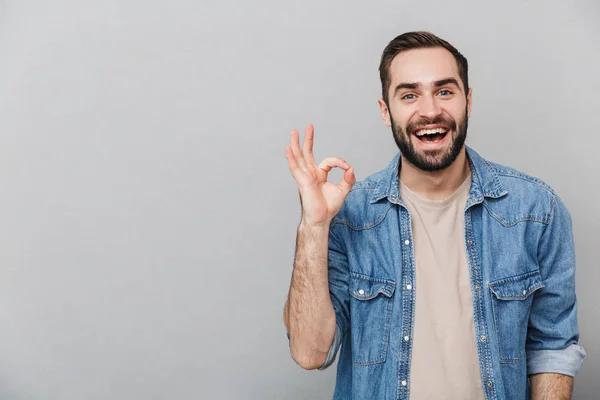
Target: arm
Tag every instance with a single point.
(553, 355)
(309, 314)
(551, 387)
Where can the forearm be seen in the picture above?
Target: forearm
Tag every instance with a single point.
(551, 386)
(309, 314)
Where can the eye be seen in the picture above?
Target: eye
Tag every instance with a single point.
(445, 92)
(408, 96)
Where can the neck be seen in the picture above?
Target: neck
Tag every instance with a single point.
(436, 185)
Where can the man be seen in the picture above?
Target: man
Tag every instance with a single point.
(443, 276)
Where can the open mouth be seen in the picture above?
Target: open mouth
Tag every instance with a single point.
(431, 135)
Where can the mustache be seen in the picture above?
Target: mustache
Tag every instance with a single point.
(439, 120)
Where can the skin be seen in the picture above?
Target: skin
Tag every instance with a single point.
(308, 313)
(419, 106)
(551, 387)
(435, 95)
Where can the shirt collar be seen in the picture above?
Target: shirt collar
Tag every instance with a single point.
(484, 180)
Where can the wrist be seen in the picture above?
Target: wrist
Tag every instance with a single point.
(314, 226)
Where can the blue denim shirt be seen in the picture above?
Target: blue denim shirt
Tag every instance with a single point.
(520, 250)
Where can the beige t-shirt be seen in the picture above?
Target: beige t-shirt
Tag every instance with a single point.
(444, 363)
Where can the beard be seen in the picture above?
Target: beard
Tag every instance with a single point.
(433, 160)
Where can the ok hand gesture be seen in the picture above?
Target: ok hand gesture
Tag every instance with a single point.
(320, 200)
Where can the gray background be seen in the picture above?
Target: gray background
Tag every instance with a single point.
(147, 214)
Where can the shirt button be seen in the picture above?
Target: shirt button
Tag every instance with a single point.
(524, 292)
(490, 384)
(406, 338)
(470, 241)
(408, 287)
(483, 338)
(477, 287)
(361, 292)
(403, 383)
(407, 242)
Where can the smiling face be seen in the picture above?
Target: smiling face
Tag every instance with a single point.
(427, 109)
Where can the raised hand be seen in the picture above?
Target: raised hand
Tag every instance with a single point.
(320, 200)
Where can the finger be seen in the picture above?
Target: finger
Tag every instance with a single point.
(295, 144)
(307, 146)
(289, 155)
(330, 162)
(348, 180)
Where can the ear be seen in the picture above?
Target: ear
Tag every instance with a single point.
(385, 112)
(469, 102)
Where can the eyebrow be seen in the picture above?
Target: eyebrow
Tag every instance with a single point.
(436, 84)
(444, 82)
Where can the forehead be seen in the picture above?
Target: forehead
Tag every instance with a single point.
(423, 66)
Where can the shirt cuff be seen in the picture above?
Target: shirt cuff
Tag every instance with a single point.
(337, 339)
(565, 361)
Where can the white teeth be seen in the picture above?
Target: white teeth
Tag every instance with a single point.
(431, 131)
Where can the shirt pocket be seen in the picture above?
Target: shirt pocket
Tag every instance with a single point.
(370, 318)
(511, 303)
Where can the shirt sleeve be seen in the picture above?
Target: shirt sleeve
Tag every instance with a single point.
(553, 334)
(338, 289)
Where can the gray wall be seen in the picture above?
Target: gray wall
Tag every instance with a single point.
(147, 215)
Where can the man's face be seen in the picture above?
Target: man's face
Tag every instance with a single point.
(427, 110)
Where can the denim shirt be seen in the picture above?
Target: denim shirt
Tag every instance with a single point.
(521, 261)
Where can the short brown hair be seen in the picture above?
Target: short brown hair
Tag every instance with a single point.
(418, 40)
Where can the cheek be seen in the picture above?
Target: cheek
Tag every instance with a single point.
(457, 111)
(401, 117)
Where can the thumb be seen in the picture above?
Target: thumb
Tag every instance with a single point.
(348, 180)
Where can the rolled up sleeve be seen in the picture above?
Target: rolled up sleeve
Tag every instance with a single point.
(565, 361)
(553, 334)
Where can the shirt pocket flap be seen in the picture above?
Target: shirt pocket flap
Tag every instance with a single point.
(517, 287)
(364, 287)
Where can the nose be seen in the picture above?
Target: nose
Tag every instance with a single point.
(429, 107)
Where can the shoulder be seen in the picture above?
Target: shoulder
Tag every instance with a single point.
(359, 211)
(527, 197)
(512, 178)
